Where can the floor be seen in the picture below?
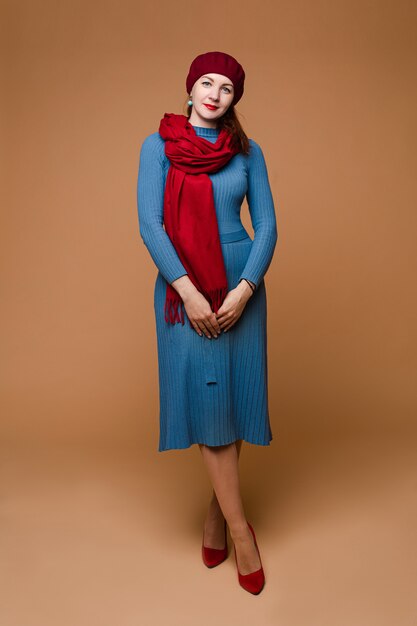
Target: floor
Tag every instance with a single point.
(111, 537)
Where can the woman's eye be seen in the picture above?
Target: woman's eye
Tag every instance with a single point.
(206, 82)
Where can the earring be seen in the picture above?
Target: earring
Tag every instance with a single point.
(190, 102)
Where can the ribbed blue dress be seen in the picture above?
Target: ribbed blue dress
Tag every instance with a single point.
(212, 391)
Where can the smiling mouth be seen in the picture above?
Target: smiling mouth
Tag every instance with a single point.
(211, 106)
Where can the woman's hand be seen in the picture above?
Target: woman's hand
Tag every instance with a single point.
(197, 307)
(200, 314)
(233, 305)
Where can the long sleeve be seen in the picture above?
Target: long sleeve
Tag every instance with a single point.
(150, 203)
(262, 212)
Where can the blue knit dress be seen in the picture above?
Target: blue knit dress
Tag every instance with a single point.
(212, 391)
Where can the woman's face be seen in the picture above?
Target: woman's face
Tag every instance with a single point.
(214, 90)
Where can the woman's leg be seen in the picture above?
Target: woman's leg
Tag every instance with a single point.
(223, 467)
(214, 523)
(214, 531)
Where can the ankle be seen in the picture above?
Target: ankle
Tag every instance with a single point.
(239, 530)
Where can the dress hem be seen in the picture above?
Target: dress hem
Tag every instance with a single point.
(255, 443)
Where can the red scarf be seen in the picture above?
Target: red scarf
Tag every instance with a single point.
(189, 212)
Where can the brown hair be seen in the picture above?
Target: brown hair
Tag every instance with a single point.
(230, 122)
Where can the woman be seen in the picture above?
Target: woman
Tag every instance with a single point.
(210, 297)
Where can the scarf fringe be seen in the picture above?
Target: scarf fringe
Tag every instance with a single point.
(174, 312)
(216, 297)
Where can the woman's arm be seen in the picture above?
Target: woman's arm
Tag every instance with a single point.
(262, 212)
(150, 203)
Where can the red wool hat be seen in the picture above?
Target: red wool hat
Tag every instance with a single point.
(218, 63)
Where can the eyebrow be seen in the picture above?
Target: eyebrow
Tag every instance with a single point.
(213, 80)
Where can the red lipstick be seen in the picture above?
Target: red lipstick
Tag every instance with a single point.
(211, 107)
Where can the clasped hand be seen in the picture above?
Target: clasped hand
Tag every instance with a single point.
(204, 320)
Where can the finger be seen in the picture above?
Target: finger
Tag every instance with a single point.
(230, 322)
(229, 326)
(205, 329)
(224, 319)
(211, 328)
(220, 318)
(197, 328)
(214, 323)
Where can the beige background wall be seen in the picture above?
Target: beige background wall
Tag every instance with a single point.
(330, 95)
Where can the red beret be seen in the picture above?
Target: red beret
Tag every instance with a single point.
(218, 63)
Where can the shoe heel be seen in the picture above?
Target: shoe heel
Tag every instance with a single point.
(254, 581)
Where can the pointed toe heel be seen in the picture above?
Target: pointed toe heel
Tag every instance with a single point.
(254, 581)
(214, 556)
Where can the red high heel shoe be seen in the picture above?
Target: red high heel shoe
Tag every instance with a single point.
(254, 581)
(214, 556)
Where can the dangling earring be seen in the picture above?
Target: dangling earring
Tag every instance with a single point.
(190, 102)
